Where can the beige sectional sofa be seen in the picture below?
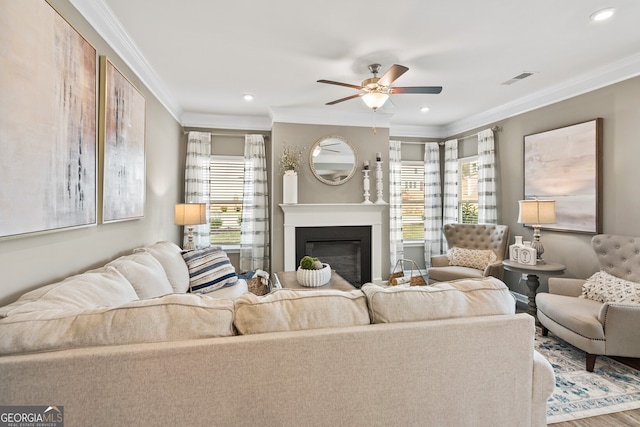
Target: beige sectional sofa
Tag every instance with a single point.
(454, 354)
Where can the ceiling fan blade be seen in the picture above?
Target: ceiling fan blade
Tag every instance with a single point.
(392, 74)
(344, 99)
(416, 89)
(340, 84)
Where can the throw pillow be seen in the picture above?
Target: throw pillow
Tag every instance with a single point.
(145, 273)
(604, 287)
(209, 269)
(168, 254)
(458, 298)
(299, 309)
(473, 258)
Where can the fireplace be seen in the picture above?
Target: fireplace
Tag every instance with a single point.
(337, 215)
(347, 249)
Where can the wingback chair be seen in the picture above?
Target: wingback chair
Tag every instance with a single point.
(471, 236)
(608, 328)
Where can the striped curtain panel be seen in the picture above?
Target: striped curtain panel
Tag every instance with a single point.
(487, 200)
(450, 211)
(432, 202)
(395, 202)
(254, 230)
(196, 181)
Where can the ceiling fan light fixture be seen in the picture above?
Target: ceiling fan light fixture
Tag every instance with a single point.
(375, 100)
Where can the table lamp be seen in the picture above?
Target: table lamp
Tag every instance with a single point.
(537, 212)
(190, 214)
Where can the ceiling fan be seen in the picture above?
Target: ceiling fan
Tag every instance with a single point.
(376, 90)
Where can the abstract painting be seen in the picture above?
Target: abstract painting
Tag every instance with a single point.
(48, 146)
(122, 142)
(565, 165)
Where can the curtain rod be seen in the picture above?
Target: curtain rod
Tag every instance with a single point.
(236, 135)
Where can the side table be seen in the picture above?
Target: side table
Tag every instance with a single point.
(542, 268)
(288, 280)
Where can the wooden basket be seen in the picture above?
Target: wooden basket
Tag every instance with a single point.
(414, 280)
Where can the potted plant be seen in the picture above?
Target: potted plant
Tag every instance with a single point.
(313, 273)
(290, 162)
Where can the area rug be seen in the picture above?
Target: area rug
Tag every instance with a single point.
(611, 387)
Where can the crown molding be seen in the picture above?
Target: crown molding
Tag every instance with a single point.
(103, 20)
(601, 77)
(221, 121)
(328, 116)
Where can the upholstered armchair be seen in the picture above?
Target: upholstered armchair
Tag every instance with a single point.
(478, 237)
(606, 328)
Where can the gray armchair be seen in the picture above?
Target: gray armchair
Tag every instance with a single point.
(471, 236)
(609, 329)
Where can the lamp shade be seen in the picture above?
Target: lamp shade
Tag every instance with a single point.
(191, 213)
(375, 100)
(537, 212)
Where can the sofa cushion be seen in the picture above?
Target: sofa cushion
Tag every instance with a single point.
(145, 273)
(472, 258)
(104, 287)
(300, 309)
(460, 298)
(209, 269)
(605, 287)
(172, 317)
(168, 254)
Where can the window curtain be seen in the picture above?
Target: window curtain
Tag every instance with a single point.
(450, 212)
(487, 201)
(395, 202)
(254, 229)
(432, 202)
(196, 181)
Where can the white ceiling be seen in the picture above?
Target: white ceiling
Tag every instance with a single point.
(199, 57)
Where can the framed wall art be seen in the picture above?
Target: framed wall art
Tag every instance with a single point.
(565, 165)
(48, 145)
(122, 146)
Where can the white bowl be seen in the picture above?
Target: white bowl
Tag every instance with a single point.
(314, 278)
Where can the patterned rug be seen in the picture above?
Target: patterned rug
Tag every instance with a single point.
(611, 387)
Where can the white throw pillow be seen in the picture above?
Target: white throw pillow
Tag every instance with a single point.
(472, 258)
(145, 273)
(168, 254)
(604, 287)
(458, 298)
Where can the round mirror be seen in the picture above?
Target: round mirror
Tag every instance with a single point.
(333, 160)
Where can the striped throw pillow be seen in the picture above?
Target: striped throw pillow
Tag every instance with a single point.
(209, 269)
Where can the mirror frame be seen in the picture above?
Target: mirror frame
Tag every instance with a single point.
(320, 177)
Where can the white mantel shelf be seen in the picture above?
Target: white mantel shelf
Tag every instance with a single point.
(334, 215)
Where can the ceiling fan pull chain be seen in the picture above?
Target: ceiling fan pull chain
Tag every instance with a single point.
(375, 130)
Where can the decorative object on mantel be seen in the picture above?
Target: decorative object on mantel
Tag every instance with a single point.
(313, 273)
(366, 183)
(290, 162)
(537, 212)
(190, 214)
(333, 160)
(379, 200)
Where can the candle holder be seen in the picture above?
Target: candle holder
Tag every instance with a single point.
(366, 184)
(379, 200)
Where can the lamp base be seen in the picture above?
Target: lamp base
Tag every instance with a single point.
(189, 246)
(536, 243)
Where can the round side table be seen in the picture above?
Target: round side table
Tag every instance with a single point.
(542, 268)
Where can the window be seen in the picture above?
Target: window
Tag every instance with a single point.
(412, 183)
(226, 186)
(468, 190)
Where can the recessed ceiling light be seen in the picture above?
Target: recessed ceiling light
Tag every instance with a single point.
(248, 97)
(424, 109)
(602, 14)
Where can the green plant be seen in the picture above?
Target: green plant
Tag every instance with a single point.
(216, 222)
(469, 213)
(310, 263)
(291, 159)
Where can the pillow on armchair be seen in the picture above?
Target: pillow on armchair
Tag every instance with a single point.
(604, 287)
(473, 258)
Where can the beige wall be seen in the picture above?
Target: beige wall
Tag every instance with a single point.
(619, 106)
(311, 190)
(31, 261)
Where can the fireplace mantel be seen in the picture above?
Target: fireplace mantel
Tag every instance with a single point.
(334, 215)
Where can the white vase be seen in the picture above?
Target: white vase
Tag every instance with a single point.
(527, 254)
(514, 250)
(290, 187)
